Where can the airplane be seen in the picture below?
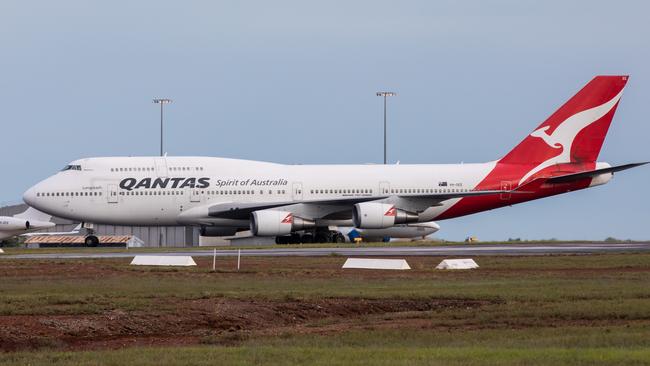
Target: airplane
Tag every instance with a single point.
(404, 231)
(76, 230)
(290, 202)
(23, 223)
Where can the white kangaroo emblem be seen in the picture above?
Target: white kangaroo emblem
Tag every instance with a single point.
(566, 132)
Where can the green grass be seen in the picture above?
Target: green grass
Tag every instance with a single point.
(542, 346)
(316, 355)
(539, 310)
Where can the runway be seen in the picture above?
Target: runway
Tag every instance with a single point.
(450, 250)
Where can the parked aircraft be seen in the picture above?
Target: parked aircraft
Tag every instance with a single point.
(418, 230)
(26, 222)
(291, 202)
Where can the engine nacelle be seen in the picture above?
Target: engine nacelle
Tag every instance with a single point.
(211, 231)
(375, 215)
(277, 223)
(12, 223)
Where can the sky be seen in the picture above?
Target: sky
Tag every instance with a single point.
(295, 81)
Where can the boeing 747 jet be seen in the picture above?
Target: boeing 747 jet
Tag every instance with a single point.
(297, 203)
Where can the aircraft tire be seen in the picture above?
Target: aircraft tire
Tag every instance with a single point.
(294, 238)
(338, 238)
(91, 241)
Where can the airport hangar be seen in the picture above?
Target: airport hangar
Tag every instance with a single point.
(153, 236)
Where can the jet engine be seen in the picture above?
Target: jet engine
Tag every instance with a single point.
(375, 215)
(276, 223)
(12, 223)
(217, 231)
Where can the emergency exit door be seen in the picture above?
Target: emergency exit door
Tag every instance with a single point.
(161, 167)
(111, 195)
(297, 191)
(384, 189)
(505, 186)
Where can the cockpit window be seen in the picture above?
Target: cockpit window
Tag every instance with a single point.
(71, 167)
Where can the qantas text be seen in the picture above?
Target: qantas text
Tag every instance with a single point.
(130, 184)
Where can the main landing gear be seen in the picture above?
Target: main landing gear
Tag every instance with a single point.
(319, 236)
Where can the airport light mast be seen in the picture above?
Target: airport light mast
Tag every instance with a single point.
(162, 102)
(385, 94)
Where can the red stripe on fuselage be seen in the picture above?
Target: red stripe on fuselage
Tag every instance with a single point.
(506, 177)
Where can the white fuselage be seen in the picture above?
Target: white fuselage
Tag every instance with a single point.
(13, 226)
(179, 190)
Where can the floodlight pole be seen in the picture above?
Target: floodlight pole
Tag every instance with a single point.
(162, 102)
(385, 95)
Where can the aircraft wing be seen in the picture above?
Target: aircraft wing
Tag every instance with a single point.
(242, 211)
(55, 233)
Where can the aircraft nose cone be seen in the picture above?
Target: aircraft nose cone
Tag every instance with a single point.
(30, 196)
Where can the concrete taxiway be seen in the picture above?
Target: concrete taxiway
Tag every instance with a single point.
(450, 250)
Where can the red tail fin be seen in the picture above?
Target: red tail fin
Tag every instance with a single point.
(575, 132)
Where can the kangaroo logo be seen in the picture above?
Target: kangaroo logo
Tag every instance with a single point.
(288, 219)
(562, 137)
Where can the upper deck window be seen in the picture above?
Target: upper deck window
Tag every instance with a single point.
(71, 167)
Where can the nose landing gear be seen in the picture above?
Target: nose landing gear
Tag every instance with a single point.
(91, 241)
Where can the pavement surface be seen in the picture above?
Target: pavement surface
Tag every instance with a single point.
(451, 250)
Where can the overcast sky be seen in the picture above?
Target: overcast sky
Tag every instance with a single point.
(295, 82)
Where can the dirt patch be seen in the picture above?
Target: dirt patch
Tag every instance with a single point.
(219, 321)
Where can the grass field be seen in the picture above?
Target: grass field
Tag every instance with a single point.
(587, 309)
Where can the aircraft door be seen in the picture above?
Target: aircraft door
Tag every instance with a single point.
(111, 195)
(297, 191)
(384, 189)
(161, 167)
(195, 195)
(505, 186)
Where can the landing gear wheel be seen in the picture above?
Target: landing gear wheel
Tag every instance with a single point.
(294, 239)
(91, 241)
(323, 237)
(338, 238)
(307, 239)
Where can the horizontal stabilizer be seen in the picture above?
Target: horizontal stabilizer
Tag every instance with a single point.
(537, 183)
(592, 173)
